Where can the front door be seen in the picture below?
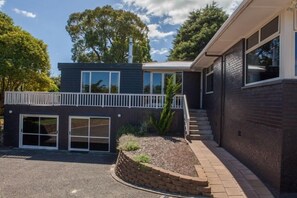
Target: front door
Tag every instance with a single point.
(89, 133)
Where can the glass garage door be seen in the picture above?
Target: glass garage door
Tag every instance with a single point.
(89, 133)
(39, 131)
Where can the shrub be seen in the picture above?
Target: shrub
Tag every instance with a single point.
(137, 130)
(163, 124)
(142, 158)
(128, 143)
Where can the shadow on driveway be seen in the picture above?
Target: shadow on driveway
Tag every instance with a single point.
(59, 156)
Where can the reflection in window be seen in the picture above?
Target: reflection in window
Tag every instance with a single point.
(114, 84)
(85, 82)
(166, 77)
(101, 82)
(263, 62)
(157, 83)
(146, 82)
(209, 80)
(179, 80)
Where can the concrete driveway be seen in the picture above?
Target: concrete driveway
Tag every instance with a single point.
(31, 173)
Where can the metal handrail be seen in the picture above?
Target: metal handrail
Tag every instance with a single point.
(186, 116)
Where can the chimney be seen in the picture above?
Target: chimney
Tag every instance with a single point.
(130, 55)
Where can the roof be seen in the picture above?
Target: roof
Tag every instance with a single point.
(248, 16)
(170, 65)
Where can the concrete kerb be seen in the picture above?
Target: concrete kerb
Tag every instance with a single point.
(116, 178)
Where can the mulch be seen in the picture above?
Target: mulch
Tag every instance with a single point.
(170, 153)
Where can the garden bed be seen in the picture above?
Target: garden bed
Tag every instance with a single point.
(170, 153)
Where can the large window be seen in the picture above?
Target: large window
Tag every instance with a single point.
(209, 80)
(100, 82)
(263, 53)
(89, 133)
(156, 83)
(39, 131)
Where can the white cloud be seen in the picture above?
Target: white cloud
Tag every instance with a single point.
(232, 7)
(157, 34)
(2, 2)
(162, 51)
(24, 13)
(176, 11)
(144, 18)
(118, 6)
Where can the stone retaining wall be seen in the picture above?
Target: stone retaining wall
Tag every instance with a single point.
(156, 178)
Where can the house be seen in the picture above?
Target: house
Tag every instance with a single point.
(95, 101)
(249, 70)
(245, 78)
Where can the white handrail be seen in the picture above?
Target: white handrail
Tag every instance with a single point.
(186, 116)
(90, 99)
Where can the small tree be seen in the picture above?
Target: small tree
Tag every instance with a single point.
(163, 124)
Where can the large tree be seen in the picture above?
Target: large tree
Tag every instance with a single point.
(24, 60)
(196, 32)
(102, 35)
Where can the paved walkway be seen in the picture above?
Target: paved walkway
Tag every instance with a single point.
(226, 175)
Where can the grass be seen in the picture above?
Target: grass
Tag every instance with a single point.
(142, 158)
(128, 143)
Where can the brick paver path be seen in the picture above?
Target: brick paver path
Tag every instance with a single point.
(226, 175)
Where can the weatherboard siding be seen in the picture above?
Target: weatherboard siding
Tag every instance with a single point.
(127, 116)
(131, 75)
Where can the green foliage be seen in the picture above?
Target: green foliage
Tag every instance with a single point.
(57, 82)
(102, 35)
(128, 143)
(196, 32)
(163, 124)
(137, 130)
(24, 60)
(142, 158)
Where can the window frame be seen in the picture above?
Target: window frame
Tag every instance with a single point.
(39, 116)
(109, 83)
(162, 80)
(260, 44)
(208, 73)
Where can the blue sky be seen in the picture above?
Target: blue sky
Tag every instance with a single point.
(46, 20)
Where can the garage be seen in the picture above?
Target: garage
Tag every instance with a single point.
(38, 131)
(89, 133)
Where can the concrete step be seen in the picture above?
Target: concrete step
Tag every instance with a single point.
(199, 122)
(198, 114)
(204, 118)
(199, 137)
(197, 110)
(198, 126)
(201, 131)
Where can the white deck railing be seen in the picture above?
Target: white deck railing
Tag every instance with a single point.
(186, 116)
(90, 99)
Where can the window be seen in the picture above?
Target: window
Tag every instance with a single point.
(39, 131)
(89, 133)
(100, 82)
(263, 62)
(263, 58)
(209, 80)
(146, 82)
(156, 83)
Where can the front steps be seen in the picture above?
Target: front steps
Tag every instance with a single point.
(199, 125)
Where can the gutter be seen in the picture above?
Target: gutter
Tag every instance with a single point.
(224, 27)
